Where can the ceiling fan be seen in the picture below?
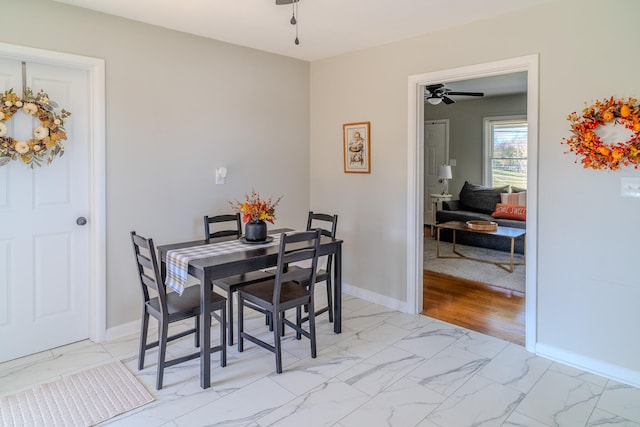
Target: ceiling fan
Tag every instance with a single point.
(437, 93)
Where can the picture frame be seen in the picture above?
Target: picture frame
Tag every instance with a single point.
(357, 147)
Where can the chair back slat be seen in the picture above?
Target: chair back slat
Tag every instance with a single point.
(222, 226)
(149, 282)
(327, 223)
(294, 247)
(148, 271)
(328, 226)
(144, 261)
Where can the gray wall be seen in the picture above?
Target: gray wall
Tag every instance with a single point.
(588, 287)
(466, 131)
(178, 107)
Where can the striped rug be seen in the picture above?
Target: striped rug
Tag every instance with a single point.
(83, 399)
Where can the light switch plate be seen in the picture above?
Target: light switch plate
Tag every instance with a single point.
(630, 187)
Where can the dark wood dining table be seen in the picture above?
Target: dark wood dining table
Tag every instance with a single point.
(254, 258)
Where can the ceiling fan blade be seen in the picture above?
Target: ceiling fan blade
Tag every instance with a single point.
(466, 93)
(447, 100)
(286, 1)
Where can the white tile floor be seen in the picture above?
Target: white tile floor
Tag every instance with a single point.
(386, 368)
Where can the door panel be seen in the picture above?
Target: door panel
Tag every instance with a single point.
(435, 155)
(44, 254)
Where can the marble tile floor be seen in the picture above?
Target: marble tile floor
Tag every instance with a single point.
(386, 369)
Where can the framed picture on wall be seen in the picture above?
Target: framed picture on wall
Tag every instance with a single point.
(357, 149)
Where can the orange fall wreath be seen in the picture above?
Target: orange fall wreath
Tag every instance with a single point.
(595, 153)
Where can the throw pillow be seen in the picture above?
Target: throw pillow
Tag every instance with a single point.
(504, 211)
(479, 198)
(518, 199)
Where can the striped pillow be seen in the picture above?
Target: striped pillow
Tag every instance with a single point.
(515, 199)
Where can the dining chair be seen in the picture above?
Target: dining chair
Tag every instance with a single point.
(222, 226)
(230, 225)
(327, 224)
(283, 292)
(170, 307)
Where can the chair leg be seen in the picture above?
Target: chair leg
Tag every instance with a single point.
(268, 320)
(312, 329)
(196, 339)
(143, 339)
(162, 350)
(330, 298)
(299, 321)
(223, 337)
(230, 311)
(277, 336)
(240, 323)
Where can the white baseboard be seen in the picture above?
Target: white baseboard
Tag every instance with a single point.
(588, 364)
(134, 327)
(375, 297)
(126, 329)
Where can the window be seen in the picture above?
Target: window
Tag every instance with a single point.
(505, 145)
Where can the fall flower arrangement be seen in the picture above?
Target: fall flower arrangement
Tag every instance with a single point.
(597, 154)
(47, 137)
(254, 208)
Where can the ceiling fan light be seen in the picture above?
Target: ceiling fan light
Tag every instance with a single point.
(433, 100)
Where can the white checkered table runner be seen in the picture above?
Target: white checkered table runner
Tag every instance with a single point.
(178, 259)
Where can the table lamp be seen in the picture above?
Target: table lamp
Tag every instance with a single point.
(444, 175)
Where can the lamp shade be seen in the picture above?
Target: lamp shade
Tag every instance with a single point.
(434, 100)
(444, 172)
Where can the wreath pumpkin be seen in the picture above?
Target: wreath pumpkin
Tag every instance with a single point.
(46, 142)
(595, 153)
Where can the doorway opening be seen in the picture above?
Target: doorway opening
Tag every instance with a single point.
(416, 201)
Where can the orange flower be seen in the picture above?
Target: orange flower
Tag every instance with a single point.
(588, 136)
(625, 111)
(604, 151)
(607, 116)
(618, 153)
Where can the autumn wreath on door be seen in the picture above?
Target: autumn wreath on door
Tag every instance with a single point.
(46, 143)
(599, 154)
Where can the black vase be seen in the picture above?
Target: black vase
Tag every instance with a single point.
(255, 231)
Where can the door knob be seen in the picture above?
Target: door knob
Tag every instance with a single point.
(81, 220)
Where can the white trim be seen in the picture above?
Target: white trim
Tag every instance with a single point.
(97, 172)
(374, 297)
(588, 364)
(416, 85)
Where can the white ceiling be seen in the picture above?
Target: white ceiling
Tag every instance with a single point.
(326, 27)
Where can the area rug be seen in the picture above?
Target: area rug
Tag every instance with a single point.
(83, 399)
(474, 270)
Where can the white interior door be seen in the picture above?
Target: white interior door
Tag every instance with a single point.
(44, 253)
(436, 141)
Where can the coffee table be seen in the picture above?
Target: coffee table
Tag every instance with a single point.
(502, 232)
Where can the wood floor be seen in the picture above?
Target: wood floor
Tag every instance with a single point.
(477, 306)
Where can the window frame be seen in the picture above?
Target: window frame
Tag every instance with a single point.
(488, 125)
